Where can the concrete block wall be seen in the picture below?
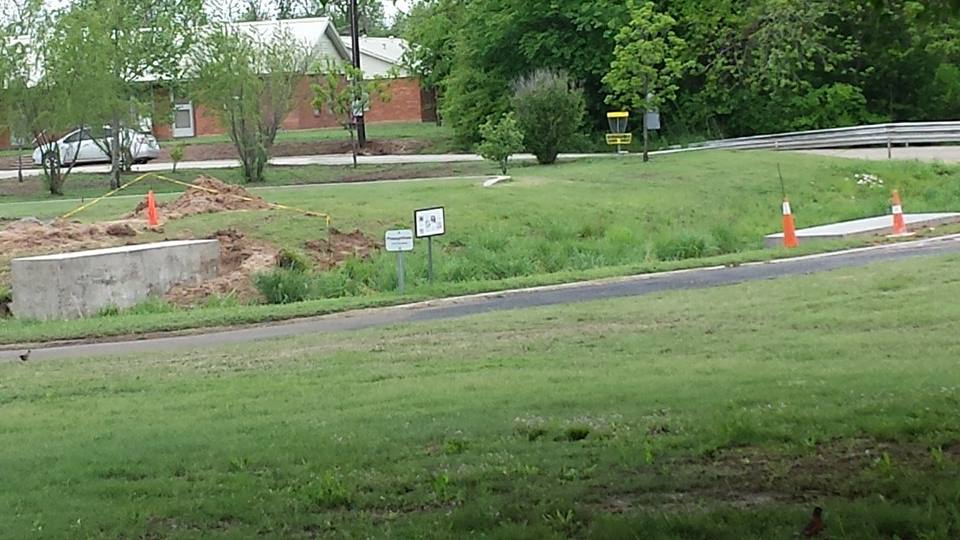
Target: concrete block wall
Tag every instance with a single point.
(80, 284)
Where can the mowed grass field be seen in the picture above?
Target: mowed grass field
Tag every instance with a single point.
(726, 413)
(590, 218)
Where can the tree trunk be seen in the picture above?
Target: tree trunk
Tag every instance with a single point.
(19, 162)
(646, 133)
(53, 171)
(115, 152)
(646, 139)
(353, 146)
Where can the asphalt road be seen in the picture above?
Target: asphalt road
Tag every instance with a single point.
(511, 300)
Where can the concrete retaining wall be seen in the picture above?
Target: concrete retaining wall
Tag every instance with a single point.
(80, 284)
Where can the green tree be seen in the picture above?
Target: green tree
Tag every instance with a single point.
(647, 63)
(497, 41)
(249, 84)
(344, 91)
(126, 51)
(430, 30)
(43, 93)
(500, 139)
(549, 108)
(370, 13)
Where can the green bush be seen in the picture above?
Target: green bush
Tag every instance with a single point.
(176, 155)
(501, 139)
(284, 286)
(292, 259)
(549, 109)
(5, 299)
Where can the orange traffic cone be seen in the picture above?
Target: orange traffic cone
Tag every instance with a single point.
(789, 226)
(153, 219)
(899, 225)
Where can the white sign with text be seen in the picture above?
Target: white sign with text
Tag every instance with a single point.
(399, 240)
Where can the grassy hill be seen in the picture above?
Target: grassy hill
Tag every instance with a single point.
(711, 414)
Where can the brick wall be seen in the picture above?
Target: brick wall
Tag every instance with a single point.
(404, 106)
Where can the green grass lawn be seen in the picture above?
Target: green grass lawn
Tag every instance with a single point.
(588, 218)
(86, 185)
(725, 413)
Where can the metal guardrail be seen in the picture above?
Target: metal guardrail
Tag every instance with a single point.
(873, 135)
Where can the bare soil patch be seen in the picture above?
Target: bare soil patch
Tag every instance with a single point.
(748, 477)
(375, 147)
(340, 246)
(240, 259)
(30, 236)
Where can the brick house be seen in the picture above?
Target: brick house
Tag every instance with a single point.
(378, 56)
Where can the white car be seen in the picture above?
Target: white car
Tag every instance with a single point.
(143, 147)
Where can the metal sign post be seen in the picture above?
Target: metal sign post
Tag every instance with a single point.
(430, 259)
(398, 241)
(429, 222)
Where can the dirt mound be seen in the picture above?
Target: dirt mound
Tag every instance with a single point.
(34, 237)
(201, 152)
(211, 196)
(339, 246)
(240, 259)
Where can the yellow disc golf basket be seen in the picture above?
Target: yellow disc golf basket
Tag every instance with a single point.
(618, 136)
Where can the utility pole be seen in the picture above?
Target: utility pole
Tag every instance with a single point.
(355, 42)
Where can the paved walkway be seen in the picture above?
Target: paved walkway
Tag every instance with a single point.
(294, 161)
(508, 300)
(947, 154)
(872, 226)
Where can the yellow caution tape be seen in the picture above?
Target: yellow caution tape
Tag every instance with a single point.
(83, 207)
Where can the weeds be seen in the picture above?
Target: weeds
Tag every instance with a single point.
(684, 246)
(454, 446)
(293, 259)
(329, 491)
(285, 286)
(937, 458)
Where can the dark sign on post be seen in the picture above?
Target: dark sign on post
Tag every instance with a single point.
(429, 222)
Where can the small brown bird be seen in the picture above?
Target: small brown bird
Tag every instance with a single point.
(25, 356)
(816, 525)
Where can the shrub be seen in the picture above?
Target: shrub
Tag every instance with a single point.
(283, 286)
(292, 259)
(549, 109)
(6, 297)
(176, 155)
(501, 139)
